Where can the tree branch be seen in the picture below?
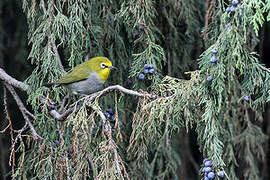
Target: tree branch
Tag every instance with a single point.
(60, 117)
(10, 80)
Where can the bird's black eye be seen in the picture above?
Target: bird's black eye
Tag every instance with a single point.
(103, 65)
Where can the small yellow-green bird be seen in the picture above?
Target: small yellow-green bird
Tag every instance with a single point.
(87, 77)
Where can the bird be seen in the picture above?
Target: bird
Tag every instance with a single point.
(88, 77)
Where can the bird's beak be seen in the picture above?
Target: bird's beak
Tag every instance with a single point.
(112, 67)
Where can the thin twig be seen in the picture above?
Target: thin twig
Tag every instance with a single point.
(264, 68)
(23, 110)
(51, 41)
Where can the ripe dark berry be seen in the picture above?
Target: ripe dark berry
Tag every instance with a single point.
(213, 59)
(93, 44)
(207, 169)
(111, 111)
(51, 107)
(211, 175)
(128, 83)
(232, 8)
(221, 174)
(208, 163)
(209, 78)
(151, 71)
(235, 2)
(203, 169)
(141, 76)
(228, 9)
(146, 66)
(141, 27)
(246, 98)
(227, 26)
(56, 143)
(112, 117)
(151, 66)
(206, 159)
(146, 71)
(206, 178)
(136, 34)
(94, 132)
(214, 51)
(120, 123)
(107, 115)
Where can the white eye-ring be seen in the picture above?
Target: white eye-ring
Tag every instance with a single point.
(103, 65)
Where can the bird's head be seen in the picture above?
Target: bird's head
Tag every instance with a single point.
(102, 66)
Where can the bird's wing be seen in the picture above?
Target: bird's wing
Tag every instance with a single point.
(75, 75)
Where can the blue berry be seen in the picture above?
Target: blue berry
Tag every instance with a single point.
(112, 117)
(227, 26)
(120, 123)
(214, 51)
(128, 83)
(221, 174)
(111, 111)
(151, 66)
(206, 159)
(203, 169)
(107, 115)
(151, 71)
(208, 163)
(93, 44)
(207, 169)
(100, 124)
(235, 2)
(232, 8)
(136, 34)
(246, 98)
(209, 78)
(146, 71)
(228, 9)
(206, 178)
(213, 59)
(141, 76)
(211, 175)
(141, 27)
(146, 66)
(56, 143)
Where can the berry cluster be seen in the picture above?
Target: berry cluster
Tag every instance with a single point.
(213, 58)
(209, 172)
(233, 7)
(109, 114)
(148, 69)
(136, 33)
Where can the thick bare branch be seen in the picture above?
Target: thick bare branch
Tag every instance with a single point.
(14, 82)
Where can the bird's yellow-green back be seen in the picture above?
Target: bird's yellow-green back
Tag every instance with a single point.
(82, 71)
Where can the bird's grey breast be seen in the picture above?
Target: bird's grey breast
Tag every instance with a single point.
(87, 86)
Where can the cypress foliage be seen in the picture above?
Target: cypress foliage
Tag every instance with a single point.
(207, 79)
